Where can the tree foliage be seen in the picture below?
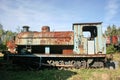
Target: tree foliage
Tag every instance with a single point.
(111, 49)
(112, 30)
(5, 36)
(1, 30)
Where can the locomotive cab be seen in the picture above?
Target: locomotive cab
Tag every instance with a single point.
(94, 42)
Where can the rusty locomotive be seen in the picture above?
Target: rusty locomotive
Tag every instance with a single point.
(61, 49)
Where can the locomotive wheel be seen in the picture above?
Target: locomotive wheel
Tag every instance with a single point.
(83, 64)
(60, 68)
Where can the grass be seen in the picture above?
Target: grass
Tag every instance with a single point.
(116, 57)
(10, 72)
(36, 75)
(95, 74)
(82, 74)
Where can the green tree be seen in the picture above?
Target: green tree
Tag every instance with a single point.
(112, 30)
(1, 30)
(118, 31)
(18, 29)
(108, 31)
(5, 36)
(111, 49)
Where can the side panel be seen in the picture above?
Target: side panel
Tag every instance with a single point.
(101, 41)
(76, 42)
(45, 38)
(100, 44)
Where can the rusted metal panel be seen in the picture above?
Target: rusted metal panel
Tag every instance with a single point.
(67, 51)
(45, 38)
(72, 55)
(84, 46)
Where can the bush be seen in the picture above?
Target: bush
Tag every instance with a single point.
(111, 49)
(2, 47)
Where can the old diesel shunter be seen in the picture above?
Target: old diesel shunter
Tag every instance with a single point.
(82, 47)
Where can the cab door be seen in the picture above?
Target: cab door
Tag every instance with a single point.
(91, 47)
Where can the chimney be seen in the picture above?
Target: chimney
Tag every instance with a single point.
(25, 28)
(45, 29)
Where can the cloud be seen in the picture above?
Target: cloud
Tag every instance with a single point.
(22, 12)
(111, 9)
(33, 13)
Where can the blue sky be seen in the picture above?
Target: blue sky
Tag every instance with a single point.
(58, 14)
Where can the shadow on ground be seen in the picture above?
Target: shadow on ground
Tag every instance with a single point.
(9, 72)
